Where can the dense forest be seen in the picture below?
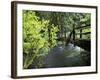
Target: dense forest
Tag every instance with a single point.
(43, 31)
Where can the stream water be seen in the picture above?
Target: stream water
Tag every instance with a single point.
(67, 56)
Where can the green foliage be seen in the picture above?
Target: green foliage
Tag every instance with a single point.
(36, 40)
(54, 35)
